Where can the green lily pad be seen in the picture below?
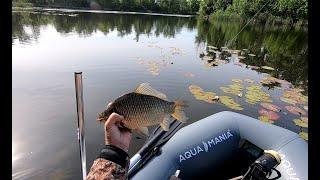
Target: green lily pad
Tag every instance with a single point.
(265, 119)
(271, 107)
(305, 107)
(252, 55)
(267, 68)
(249, 80)
(254, 94)
(287, 100)
(295, 110)
(305, 119)
(236, 80)
(230, 103)
(300, 123)
(295, 96)
(303, 135)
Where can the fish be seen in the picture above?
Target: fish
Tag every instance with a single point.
(145, 107)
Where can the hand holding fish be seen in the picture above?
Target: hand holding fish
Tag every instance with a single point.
(115, 134)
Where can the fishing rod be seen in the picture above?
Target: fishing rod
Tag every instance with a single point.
(152, 147)
(80, 130)
(232, 40)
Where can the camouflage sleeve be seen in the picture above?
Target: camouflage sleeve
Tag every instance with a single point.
(103, 169)
(112, 163)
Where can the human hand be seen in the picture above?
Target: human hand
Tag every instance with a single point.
(116, 135)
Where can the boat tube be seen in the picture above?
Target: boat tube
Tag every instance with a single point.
(221, 146)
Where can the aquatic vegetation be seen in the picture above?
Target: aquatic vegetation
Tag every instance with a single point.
(254, 67)
(265, 119)
(270, 114)
(234, 51)
(212, 47)
(255, 94)
(188, 74)
(271, 107)
(175, 50)
(241, 57)
(249, 80)
(287, 100)
(305, 119)
(294, 96)
(295, 110)
(270, 81)
(199, 94)
(300, 123)
(230, 103)
(252, 55)
(236, 80)
(153, 68)
(304, 135)
(207, 58)
(267, 68)
(235, 88)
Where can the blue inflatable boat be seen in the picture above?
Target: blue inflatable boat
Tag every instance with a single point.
(222, 146)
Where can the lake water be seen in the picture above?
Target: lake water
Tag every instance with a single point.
(118, 52)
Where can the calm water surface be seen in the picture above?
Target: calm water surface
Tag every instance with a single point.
(115, 54)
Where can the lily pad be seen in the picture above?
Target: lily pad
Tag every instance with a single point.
(295, 110)
(230, 103)
(241, 57)
(201, 95)
(252, 55)
(249, 80)
(212, 47)
(253, 67)
(265, 119)
(300, 123)
(235, 88)
(305, 107)
(270, 114)
(267, 68)
(207, 58)
(287, 100)
(236, 80)
(255, 94)
(295, 96)
(305, 119)
(270, 81)
(271, 107)
(194, 89)
(153, 68)
(188, 74)
(304, 135)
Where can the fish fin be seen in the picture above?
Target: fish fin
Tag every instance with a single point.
(179, 113)
(146, 89)
(165, 123)
(143, 130)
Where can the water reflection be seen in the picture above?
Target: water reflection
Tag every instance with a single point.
(284, 49)
(86, 24)
(117, 52)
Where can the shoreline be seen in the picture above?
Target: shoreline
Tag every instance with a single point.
(98, 11)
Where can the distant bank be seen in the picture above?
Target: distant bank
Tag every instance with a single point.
(95, 11)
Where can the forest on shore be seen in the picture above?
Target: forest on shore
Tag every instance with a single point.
(292, 11)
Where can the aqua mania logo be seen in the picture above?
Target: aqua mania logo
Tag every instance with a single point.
(206, 145)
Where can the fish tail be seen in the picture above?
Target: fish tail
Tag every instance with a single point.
(179, 113)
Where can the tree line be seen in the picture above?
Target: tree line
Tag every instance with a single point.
(294, 10)
(158, 6)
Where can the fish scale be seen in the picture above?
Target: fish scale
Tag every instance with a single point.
(145, 107)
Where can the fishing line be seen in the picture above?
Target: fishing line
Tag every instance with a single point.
(229, 43)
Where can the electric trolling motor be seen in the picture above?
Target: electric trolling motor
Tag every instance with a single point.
(262, 168)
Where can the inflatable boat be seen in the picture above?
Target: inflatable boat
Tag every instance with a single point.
(222, 146)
